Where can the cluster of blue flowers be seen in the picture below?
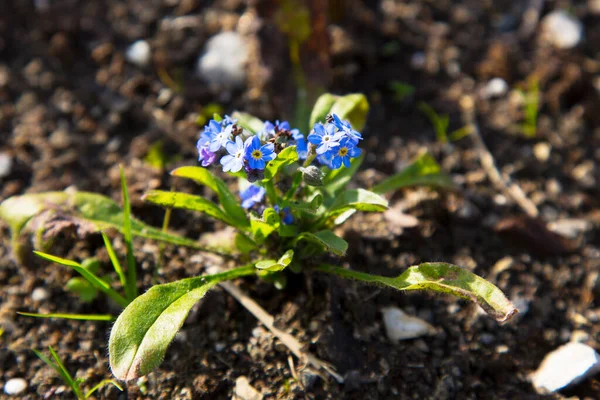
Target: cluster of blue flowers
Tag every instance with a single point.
(332, 144)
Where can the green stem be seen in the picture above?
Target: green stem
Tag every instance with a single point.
(271, 193)
(396, 283)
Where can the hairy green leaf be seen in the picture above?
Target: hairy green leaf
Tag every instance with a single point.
(288, 156)
(140, 336)
(346, 203)
(95, 210)
(186, 201)
(229, 202)
(276, 265)
(262, 228)
(442, 278)
(321, 108)
(93, 279)
(248, 122)
(353, 107)
(423, 171)
(327, 239)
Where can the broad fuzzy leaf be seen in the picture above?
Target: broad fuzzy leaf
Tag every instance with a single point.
(248, 122)
(353, 107)
(142, 333)
(288, 156)
(100, 211)
(350, 201)
(424, 171)
(262, 228)
(321, 108)
(442, 278)
(229, 202)
(327, 239)
(186, 201)
(276, 265)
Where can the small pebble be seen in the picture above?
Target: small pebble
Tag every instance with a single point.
(401, 326)
(496, 87)
(245, 391)
(567, 365)
(570, 227)
(417, 61)
(562, 30)
(15, 386)
(5, 164)
(39, 294)
(541, 151)
(224, 60)
(139, 53)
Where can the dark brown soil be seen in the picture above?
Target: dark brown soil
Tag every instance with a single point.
(72, 109)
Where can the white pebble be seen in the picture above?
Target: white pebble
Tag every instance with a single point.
(224, 60)
(541, 151)
(562, 30)
(401, 326)
(417, 60)
(496, 87)
(5, 164)
(245, 391)
(15, 386)
(139, 53)
(566, 365)
(39, 294)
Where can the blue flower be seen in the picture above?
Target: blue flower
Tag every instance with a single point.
(346, 129)
(284, 125)
(222, 137)
(342, 154)
(325, 159)
(234, 161)
(252, 195)
(204, 154)
(258, 155)
(287, 218)
(324, 137)
(301, 144)
(227, 120)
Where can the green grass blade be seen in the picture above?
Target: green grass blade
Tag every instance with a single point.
(103, 383)
(114, 260)
(64, 373)
(90, 277)
(131, 286)
(78, 317)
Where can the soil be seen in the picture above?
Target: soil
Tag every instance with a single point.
(72, 109)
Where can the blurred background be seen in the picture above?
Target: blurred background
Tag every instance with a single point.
(86, 85)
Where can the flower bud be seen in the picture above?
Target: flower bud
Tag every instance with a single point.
(312, 175)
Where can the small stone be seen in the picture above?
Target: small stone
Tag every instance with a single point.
(224, 59)
(562, 30)
(496, 87)
(569, 364)
(5, 164)
(15, 386)
(541, 151)
(417, 60)
(401, 326)
(139, 53)
(245, 391)
(570, 227)
(39, 294)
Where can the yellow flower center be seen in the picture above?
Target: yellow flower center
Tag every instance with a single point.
(257, 154)
(342, 151)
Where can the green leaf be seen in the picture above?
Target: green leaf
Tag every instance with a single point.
(310, 207)
(186, 201)
(423, 171)
(229, 202)
(77, 317)
(321, 108)
(276, 265)
(131, 283)
(59, 367)
(82, 288)
(327, 239)
(244, 244)
(355, 200)
(441, 278)
(140, 336)
(97, 282)
(337, 179)
(114, 260)
(98, 212)
(287, 156)
(354, 108)
(262, 228)
(248, 122)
